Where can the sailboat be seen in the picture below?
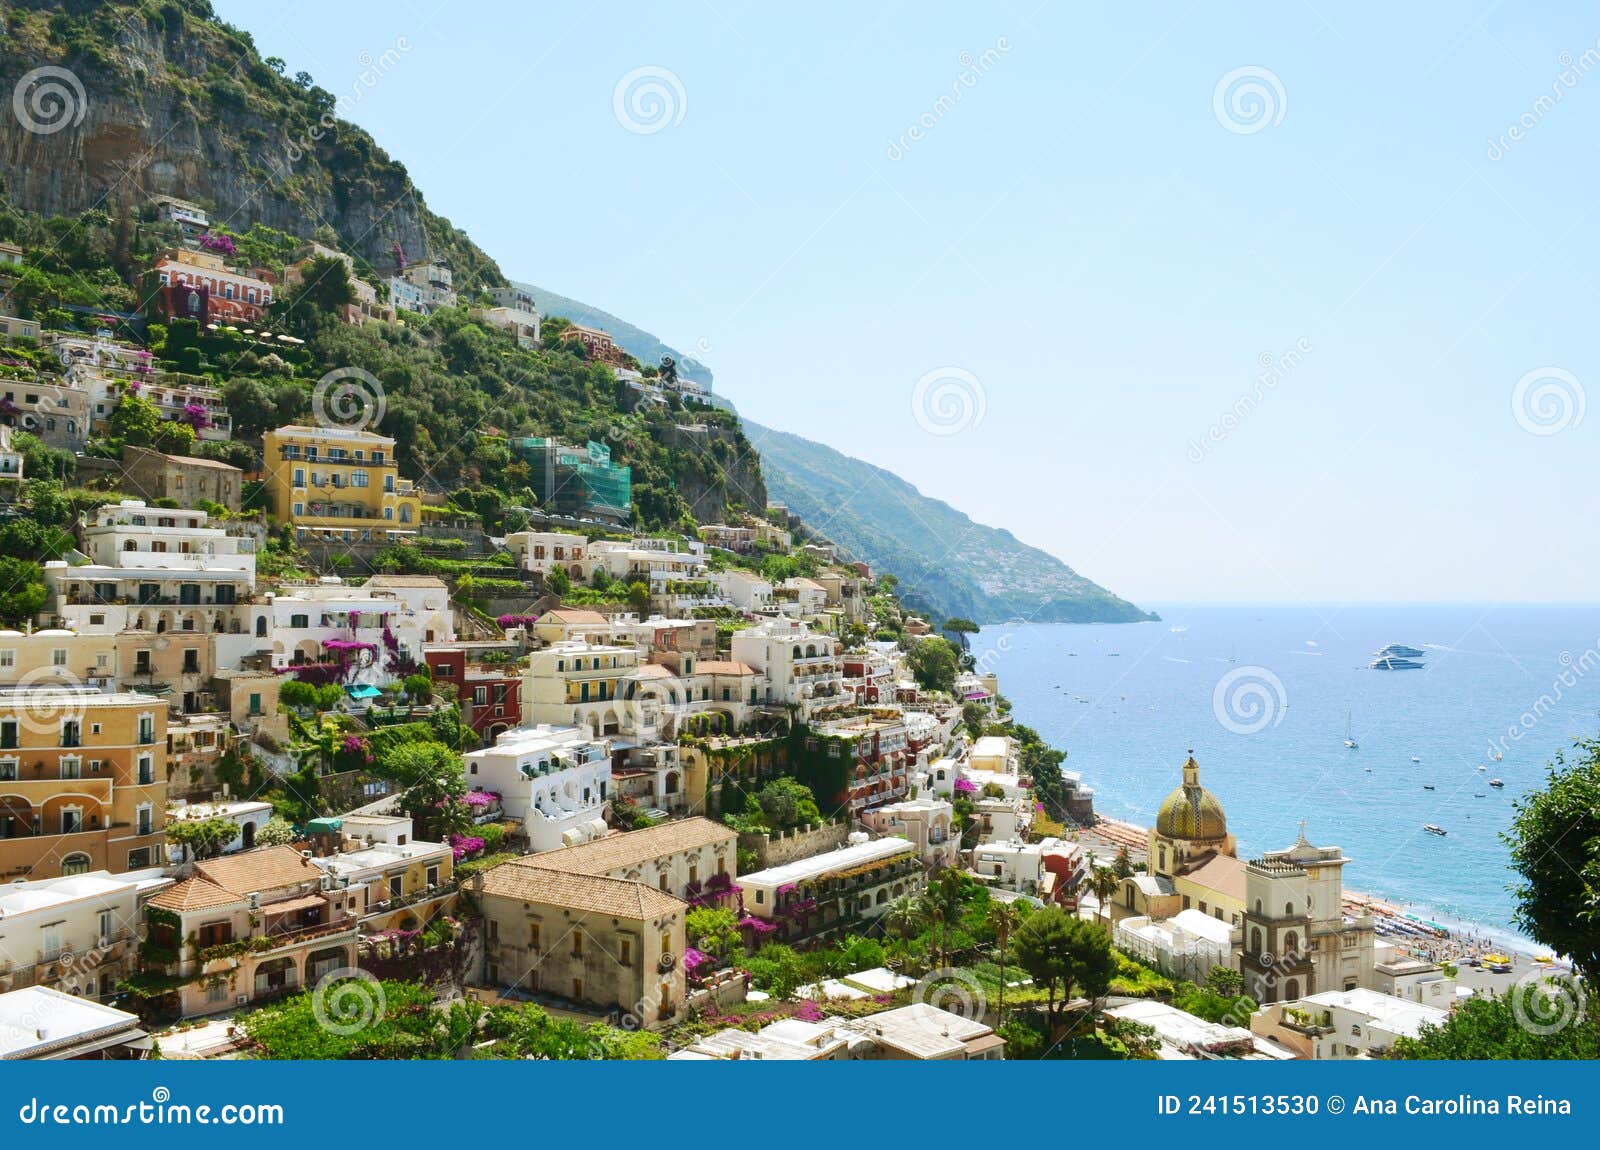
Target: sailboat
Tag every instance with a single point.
(1349, 735)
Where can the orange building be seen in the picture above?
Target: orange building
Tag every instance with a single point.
(83, 781)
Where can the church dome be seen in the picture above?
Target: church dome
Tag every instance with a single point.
(1191, 811)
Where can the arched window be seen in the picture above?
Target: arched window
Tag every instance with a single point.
(261, 627)
(1258, 906)
(1291, 989)
(75, 864)
(1291, 943)
(1288, 909)
(1255, 940)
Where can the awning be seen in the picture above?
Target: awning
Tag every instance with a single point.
(324, 826)
(289, 905)
(365, 691)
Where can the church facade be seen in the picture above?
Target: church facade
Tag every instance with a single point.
(1295, 939)
(1191, 864)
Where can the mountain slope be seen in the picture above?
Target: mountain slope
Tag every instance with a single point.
(640, 344)
(945, 561)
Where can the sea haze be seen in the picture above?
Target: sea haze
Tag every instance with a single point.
(1128, 701)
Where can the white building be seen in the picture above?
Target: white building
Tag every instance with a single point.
(1341, 1024)
(74, 1028)
(572, 683)
(153, 569)
(376, 874)
(1014, 865)
(297, 627)
(652, 561)
(246, 814)
(800, 666)
(547, 551)
(924, 822)
(1187, 945)
(806, 897)
(744, 589)
(77, 934)
(556, 781)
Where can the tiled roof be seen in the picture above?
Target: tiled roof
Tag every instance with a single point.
(619, 852)
(723, 667)
(654, 671)
(1221, 873)
(197, 461)
(592, 894)
(194, 894)
(262, 869)
(573, 617)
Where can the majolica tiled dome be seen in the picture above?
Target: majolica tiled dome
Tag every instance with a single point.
(1191, 811)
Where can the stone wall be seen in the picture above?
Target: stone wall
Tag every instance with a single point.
(800, 843)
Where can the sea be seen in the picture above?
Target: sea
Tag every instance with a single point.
(1266, 696)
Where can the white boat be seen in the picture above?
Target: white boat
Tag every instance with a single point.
(1433, 830)
(1416, 758)
(1496, 755)
(1349, 735)
(1496, 783)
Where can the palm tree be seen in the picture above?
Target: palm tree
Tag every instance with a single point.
(905, 916)
(1003, 918)
(1103, 882)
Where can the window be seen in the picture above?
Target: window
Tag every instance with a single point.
(145, 821)
(533, 936)
(58, 657)
(79, 864)
(358, 479)
(625, 952)
(147, 771)
(577, 944)
(71, 767)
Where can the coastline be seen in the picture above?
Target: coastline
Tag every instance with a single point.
(1411, 927)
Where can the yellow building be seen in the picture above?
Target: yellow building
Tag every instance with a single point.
(83, 781)
(1192, 861)
(338, 484)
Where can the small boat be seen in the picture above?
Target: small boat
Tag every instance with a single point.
(1496, 755)
(1481, 767)
(1349, 735)
(1427, 786)
(1416, 758)
(1433, 830)
(1479, 795)
(1496, 783)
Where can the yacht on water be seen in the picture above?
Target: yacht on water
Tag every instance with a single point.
(1396, 657)
(1496, 783)
(1433, 830)
(1349, 735)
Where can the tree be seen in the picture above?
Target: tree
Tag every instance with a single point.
(713, 929)
(787, 803)
(1003, 918)
(135, 420)
(1061, 952)
(1122, 865)
(906, 916)
(22, 590)
(1555, 848)
(434, 784)
(960, 628)
(639, 598)
(1225, 980)
(202, 838)
(1533, 1021)
(419, 687)
(1103, 883)
(325, 290)
(933, 664)
(669, 371)
(277, 833)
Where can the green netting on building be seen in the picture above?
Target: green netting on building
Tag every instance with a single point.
(577, 481)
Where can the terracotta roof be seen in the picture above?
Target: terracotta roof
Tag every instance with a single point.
(1221, 873)
(198, 461)
(579, 616)
(619, 852)
(723, 667)
(262, 869)
(592, 894)
(654, 671)
(194, 894)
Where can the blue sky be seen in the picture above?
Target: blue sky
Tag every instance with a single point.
(1093, 240)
